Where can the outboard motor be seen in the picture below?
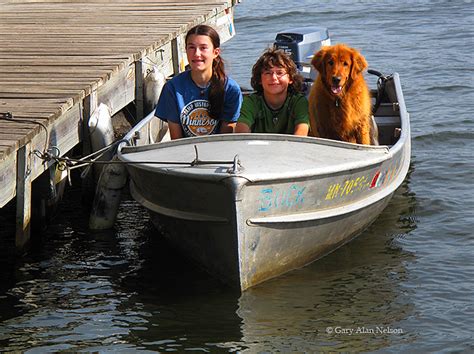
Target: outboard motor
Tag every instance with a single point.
(301, 44)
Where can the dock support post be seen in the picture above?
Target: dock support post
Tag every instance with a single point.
(176, 56)
(23, 197)
(139, 91)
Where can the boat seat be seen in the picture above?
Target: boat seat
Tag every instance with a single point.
(387, 119)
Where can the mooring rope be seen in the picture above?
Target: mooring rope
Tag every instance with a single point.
(89, 160)
(68, 164)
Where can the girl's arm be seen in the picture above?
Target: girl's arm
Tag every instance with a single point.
(232, 104)
(227, 127)
(242, 128)
(175, 130)
(301, 129)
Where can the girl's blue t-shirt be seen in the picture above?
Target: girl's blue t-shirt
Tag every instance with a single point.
(183, 102)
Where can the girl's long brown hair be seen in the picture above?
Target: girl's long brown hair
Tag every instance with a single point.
(275, 57)
(216, 90)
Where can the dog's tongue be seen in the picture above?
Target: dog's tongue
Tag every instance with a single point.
(336, 89)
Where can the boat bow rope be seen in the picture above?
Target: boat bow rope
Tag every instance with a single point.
(68, 164)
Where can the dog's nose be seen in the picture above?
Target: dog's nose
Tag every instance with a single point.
(336, 80)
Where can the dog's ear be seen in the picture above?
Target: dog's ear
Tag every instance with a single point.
(359, 64)
(318, 59)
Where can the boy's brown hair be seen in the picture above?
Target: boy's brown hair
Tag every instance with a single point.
(271, 58)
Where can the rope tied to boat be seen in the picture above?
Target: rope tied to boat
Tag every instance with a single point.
(68, 164)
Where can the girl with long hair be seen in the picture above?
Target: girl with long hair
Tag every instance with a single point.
(202, 100)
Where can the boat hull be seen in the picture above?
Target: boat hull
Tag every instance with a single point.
(257, 253)
(245, 232)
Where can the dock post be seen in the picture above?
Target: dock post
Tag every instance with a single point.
(23, 197)
(178, 60)
(139, 94)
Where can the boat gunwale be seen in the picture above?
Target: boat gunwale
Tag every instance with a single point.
(126, 149)
(311, 171)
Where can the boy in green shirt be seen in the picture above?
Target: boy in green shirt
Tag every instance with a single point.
(277, 106)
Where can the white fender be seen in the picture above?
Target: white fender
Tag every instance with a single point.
(154, 81)
(107, 196)
(101, 133)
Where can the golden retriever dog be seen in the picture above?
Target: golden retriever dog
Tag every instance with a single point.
(339, 101)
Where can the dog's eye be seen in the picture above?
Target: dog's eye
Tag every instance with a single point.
(331, 62)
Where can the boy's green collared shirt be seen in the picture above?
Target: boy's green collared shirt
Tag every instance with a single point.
(262, 119)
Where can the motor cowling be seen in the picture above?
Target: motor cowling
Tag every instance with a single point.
(301, 44)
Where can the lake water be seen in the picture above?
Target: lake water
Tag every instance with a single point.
(406, 284)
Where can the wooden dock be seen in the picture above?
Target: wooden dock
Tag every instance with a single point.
(59, 59)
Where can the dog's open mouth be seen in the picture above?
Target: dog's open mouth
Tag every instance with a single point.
(336, 90)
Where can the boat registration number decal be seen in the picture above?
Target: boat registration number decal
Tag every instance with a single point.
(361, 183)
(347, 187)
(271, 198)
